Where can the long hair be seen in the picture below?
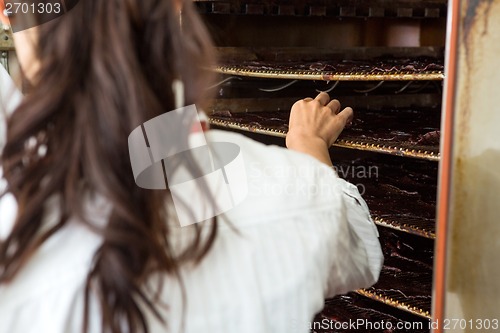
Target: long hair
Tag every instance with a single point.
(107, 66)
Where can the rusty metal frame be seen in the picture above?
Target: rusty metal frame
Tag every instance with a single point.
(444, 182)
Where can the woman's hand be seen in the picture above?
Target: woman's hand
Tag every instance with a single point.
(315, 124)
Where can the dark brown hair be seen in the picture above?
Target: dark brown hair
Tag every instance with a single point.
(107, 66)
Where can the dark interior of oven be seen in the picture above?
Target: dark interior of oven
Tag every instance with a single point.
(385, 59)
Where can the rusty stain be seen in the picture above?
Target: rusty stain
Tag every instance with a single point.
(471, 12)
(473, 15)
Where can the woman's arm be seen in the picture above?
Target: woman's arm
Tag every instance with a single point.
(315, 124)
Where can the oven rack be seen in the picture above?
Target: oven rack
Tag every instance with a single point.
(352, 307)
(312, 75)
(333, 64)
(401, 197)
(414, 226)
(430, 153)
(416, 9)
(421, 309)
(406, 278)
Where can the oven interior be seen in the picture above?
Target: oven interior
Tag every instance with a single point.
(384, 58)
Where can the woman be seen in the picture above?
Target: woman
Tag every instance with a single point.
(87, 250)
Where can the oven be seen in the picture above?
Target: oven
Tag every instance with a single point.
(386, 60)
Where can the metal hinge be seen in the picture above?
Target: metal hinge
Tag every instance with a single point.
(6, 45)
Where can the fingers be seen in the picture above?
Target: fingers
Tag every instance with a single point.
(334, 105)
(346, 115)
(323, 98)
(318, 118)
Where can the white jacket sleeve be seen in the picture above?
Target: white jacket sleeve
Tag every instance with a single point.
(341, 241)
(360, 257)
